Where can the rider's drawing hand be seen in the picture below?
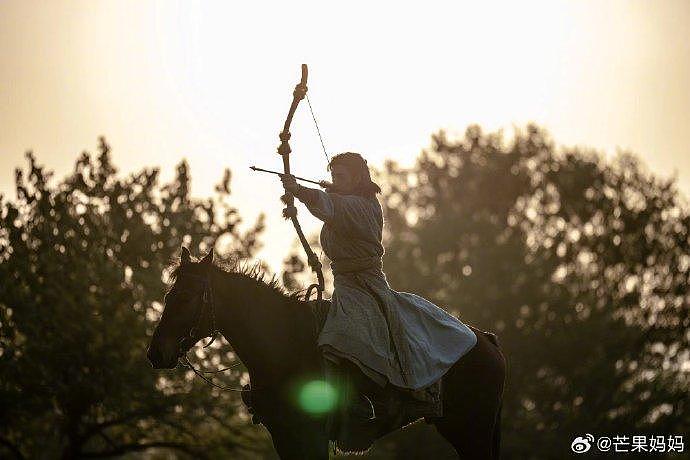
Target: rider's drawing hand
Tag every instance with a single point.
(326, 185)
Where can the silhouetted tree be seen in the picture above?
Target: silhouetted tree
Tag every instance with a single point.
(579, 264)
(80, 292)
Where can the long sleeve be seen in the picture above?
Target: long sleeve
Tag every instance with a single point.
(318, 202)
(351, 215)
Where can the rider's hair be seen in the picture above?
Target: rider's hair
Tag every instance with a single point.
(357, 166)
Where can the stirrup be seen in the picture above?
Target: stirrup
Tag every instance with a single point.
(373, 411)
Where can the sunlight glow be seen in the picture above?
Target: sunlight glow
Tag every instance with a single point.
(212, 81)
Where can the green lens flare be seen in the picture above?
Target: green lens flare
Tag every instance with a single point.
(317, 397)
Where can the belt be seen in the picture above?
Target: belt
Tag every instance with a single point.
(355, 264)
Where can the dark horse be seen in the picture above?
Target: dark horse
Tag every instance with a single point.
(273, 334)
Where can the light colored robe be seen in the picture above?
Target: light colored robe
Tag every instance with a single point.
(394, 337)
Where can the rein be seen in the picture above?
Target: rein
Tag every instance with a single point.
(206, 300)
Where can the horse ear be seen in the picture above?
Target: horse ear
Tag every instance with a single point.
(185, 257)
(208, 258)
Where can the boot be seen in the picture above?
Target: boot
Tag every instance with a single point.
(333, 376)
(354, 408)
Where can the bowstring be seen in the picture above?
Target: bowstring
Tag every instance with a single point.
(318, 131)
(328, 160)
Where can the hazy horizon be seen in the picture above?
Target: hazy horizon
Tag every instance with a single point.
(212, 83)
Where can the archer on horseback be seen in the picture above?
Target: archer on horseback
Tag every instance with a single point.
(398, 340)
(395, 347)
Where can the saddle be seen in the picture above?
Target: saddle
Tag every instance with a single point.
(366, 411)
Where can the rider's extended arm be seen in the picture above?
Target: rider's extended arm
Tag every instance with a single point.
(306, 195)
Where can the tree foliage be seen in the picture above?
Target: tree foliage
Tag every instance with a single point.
(579, 263)
(81, 264)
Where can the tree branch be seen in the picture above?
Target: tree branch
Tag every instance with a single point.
(107, 439)
(12, 448)
(95, 429)
(124, 448)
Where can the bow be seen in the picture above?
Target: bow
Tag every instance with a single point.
(290, 211)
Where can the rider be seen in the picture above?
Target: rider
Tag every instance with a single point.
(395, 338)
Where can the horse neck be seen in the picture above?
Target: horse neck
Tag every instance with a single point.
(270, 332)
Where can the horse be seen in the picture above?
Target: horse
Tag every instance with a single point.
(273, 334)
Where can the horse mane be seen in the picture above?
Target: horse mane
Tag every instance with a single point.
(252, 271)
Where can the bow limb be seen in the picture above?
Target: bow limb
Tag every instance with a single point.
(284, 148)
(297, 95)
(290, 211)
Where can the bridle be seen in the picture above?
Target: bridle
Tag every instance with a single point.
(207, 303)
(206, 300)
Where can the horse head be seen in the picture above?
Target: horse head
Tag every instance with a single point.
(188, 314)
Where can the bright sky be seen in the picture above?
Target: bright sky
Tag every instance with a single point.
(212, 82)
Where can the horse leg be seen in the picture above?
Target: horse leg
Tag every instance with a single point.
(299, 440)
(474, 435)
(497, 432)
(472, 399)
(472, 439)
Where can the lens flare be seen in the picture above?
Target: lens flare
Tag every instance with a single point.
(317, 397)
